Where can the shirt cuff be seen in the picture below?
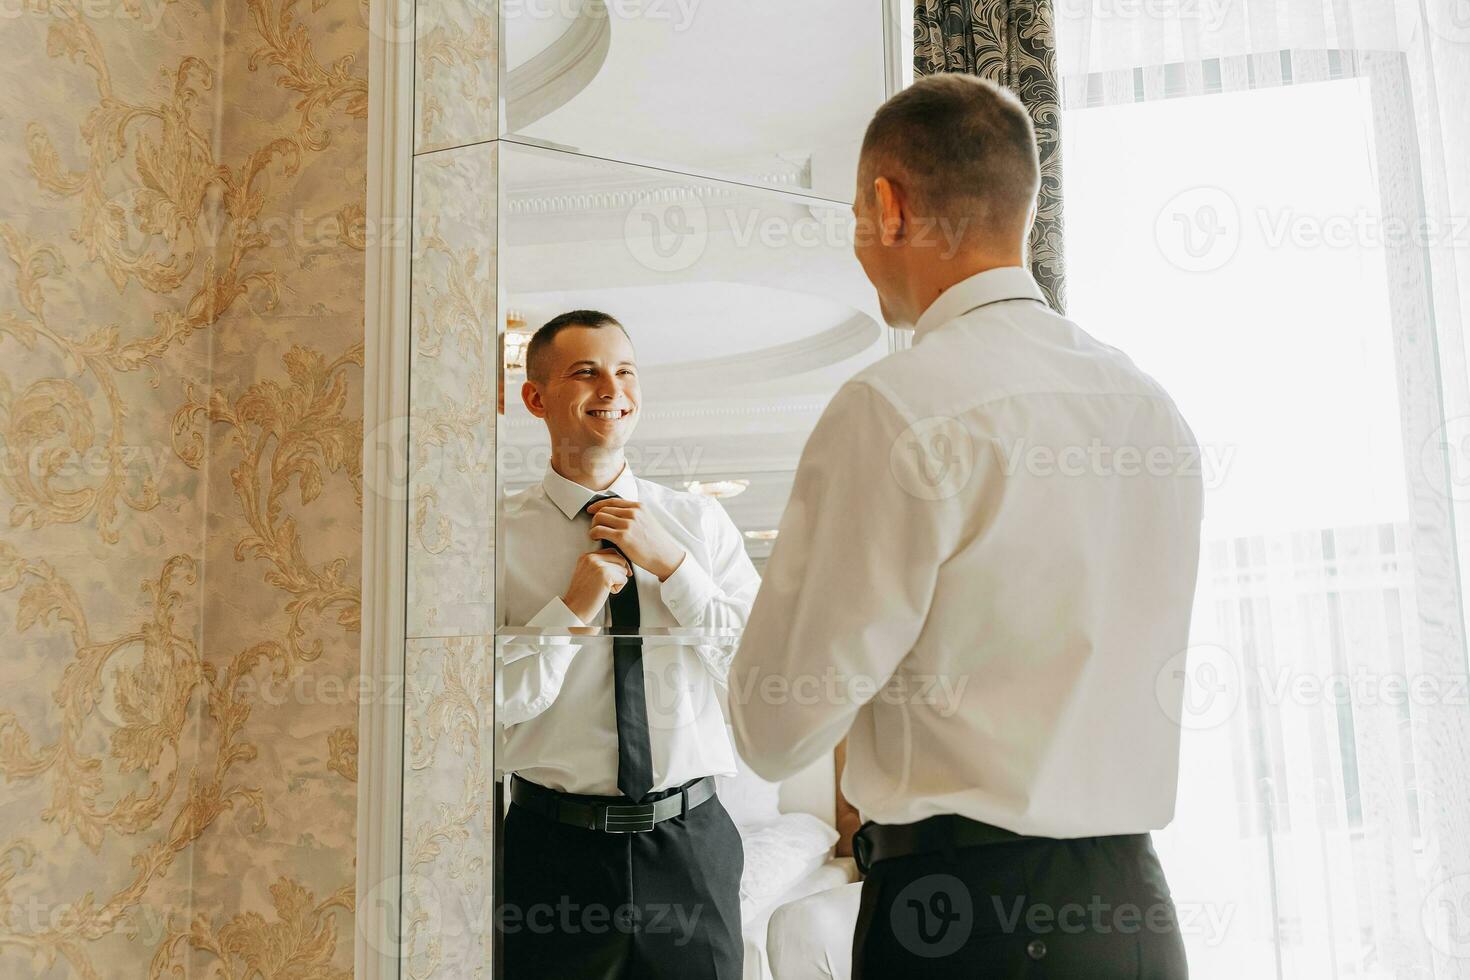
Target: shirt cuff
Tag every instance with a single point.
(555, 613)
(687, 591)
(717, 660)
(551, 669)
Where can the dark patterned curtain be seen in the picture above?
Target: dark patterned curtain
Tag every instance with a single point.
(1012, 43)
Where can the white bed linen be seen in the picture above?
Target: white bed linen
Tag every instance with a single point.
(781, 852)
(811, 938)
(833, 875)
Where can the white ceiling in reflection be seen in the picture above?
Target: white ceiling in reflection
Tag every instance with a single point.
(772, 90)
(533, 29)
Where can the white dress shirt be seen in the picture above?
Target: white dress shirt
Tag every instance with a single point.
(555, 706)
(984, 570)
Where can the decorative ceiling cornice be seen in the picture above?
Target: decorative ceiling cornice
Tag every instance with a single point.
(565, 67)
(847, 339)
(546, 200)
(617, 193)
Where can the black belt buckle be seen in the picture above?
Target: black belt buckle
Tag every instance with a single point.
(636, 819)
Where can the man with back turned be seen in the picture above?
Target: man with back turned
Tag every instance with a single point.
(1010, 510)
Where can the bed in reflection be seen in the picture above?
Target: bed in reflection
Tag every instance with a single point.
(799, 892)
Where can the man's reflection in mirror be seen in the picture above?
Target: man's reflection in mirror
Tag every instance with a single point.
(619, 859)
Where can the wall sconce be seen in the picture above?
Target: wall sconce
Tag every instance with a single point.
(514, 340)
(717, 488)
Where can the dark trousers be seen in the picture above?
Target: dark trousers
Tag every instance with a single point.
(1095, 908)
(589, 904)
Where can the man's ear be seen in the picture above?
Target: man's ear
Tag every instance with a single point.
(531, 395)
(889, 211)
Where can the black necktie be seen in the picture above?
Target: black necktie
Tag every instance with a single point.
(635, 756)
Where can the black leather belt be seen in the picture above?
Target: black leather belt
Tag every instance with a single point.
(604, 812)
(876, 842)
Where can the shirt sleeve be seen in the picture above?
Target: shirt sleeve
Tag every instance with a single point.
(717, 598)
(848, 585)
(529, 676)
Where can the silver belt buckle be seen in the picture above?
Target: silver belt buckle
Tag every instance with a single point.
(635, 819)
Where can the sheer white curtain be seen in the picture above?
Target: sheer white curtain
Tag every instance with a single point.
(1268, 205)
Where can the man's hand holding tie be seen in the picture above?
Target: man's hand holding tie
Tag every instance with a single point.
(596, 575)
(637, 533)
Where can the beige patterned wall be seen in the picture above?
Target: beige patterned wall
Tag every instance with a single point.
(180, 485)
(456, 81)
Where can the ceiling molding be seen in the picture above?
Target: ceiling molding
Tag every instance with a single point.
(566, 66)
(847, 339)
(616, 195)
(619, 192)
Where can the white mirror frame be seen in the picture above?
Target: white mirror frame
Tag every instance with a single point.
(389, 209)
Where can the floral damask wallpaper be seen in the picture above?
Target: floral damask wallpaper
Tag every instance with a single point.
(181, 307)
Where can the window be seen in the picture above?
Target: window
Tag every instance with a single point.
(1240, 246)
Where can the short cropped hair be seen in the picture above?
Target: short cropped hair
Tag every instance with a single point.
(962, 148)
(536, 367)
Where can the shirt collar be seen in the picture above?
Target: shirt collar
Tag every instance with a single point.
(571, 497)
(990, 286)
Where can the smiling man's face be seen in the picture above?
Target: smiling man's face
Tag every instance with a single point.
(589, 398)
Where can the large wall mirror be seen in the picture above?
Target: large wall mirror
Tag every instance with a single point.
(686, 166)
(746, 311)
